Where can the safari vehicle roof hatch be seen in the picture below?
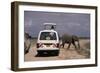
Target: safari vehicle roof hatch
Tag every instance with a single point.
(49, 26)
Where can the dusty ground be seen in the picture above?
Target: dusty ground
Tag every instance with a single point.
(84, 52)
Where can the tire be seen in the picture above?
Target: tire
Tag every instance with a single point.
(40, 53)
(56, 53)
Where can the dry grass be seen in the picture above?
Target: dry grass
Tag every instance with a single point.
(85, 49)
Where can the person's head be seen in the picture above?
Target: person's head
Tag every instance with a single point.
(52, 27)
(51, 34)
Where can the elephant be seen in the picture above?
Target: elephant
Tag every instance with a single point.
(70, 39)
(27, 42)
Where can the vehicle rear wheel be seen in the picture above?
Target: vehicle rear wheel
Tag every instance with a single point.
(40, 52)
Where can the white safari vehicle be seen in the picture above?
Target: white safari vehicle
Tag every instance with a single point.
(48, 41)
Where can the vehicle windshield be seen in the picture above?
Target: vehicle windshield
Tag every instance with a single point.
(48, 36)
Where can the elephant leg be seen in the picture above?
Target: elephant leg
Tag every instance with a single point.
(74, 45)
(78, 44)
(29, 46)
(63, 45)
(68, 46)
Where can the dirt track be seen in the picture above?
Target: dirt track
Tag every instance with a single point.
(64, 53)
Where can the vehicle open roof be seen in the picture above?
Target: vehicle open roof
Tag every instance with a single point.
(49, 26)
(54, 24)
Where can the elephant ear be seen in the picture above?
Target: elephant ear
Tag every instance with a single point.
(75, 37)
(26, 35)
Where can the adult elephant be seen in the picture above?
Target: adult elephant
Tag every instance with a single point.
(70, 39)
(27, 43)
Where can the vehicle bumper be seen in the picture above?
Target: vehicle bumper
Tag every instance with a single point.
(48, 49)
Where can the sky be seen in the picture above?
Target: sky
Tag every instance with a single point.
(67, 23)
